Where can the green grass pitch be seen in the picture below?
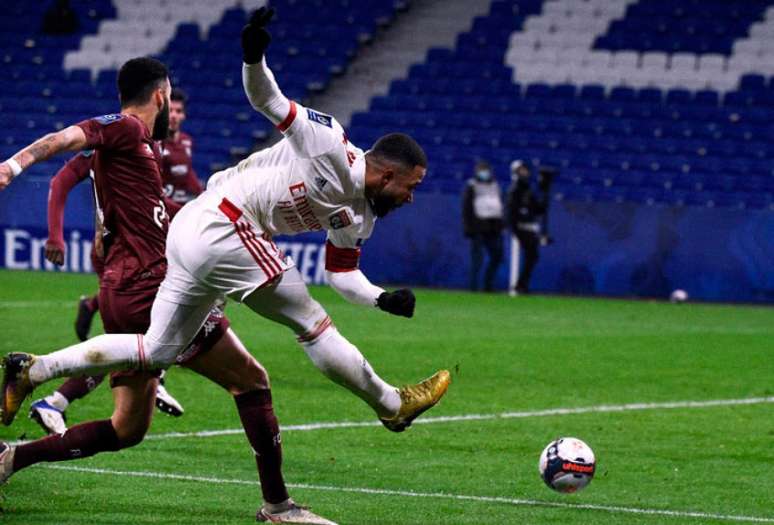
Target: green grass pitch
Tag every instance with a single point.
(709, 463)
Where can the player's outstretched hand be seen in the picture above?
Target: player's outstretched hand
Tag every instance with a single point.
(255, 37)
(55, 252)
(6, 175)
(399, 302)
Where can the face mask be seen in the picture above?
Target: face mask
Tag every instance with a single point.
(484, 175)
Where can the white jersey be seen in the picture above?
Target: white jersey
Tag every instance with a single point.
(312, 180)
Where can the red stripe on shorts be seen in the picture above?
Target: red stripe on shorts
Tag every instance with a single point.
(240, 229)
(230, 210)
(262, 248)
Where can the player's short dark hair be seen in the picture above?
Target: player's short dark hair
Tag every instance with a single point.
(400, 148)
(138, 78)
(178, 95)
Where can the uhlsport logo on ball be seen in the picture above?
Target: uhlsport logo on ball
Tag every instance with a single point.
(567, 464)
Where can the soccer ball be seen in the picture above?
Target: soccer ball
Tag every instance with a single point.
(567, 464)
(678, 296)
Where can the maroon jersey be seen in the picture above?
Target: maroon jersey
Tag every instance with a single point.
(128, 186)
(177, 173)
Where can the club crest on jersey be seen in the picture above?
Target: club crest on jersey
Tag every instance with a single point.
(109, 119)
(340, 220)
(320, 118)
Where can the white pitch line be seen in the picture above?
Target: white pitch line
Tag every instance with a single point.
(488, 417)
(439, 495)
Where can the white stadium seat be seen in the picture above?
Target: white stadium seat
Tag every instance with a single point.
(683, 62)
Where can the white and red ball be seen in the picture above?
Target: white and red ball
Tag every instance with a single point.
(567, 464)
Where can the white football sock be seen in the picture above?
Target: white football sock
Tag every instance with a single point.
(57, 401)
(98, 355)
(342, 362)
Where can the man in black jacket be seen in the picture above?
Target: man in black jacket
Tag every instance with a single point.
(526, 210)
(482, 216)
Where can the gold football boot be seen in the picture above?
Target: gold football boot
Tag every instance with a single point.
(16, 384)
(415, 399)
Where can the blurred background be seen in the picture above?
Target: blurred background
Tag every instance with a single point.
(654, 117)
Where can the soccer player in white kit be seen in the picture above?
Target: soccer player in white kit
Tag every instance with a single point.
(220, 245)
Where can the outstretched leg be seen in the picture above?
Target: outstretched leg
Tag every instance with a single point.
(134, 401)
(287, 301)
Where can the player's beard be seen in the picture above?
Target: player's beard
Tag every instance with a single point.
(382, 205)
(161, 124)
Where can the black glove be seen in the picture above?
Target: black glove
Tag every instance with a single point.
(399, 302)
(255, 38)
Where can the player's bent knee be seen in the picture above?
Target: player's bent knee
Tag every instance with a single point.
(252, 377)
(130, 431)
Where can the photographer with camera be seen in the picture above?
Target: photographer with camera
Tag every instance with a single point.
(527, 219)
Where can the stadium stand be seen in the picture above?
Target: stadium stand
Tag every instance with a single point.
(600, 88)
(675, 126)
(198, 40)
(586, 91)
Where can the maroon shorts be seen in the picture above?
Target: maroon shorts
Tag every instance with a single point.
(129, 313)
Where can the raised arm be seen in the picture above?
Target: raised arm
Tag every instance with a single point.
(309, 132)
(71, 138)
(260, 85)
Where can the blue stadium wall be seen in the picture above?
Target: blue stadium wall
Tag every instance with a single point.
(626, 249)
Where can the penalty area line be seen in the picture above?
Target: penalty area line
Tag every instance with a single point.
(518, 502)
(597, 409)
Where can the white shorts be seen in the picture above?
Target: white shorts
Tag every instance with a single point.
(213, 250)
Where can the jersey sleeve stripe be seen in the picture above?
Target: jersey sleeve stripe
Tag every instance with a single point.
(285, 124)
(341, 259)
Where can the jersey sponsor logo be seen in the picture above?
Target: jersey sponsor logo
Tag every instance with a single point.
(340, 219)
(320, 118)
(298, 213)
(109, 119)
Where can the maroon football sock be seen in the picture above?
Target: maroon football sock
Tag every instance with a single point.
(262, 429)
(80, 441)
(78, 387)
(93, 303)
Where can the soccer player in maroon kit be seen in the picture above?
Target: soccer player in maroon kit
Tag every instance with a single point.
(177, 173)
(129, 197)
(180, 184)
(48, 412)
